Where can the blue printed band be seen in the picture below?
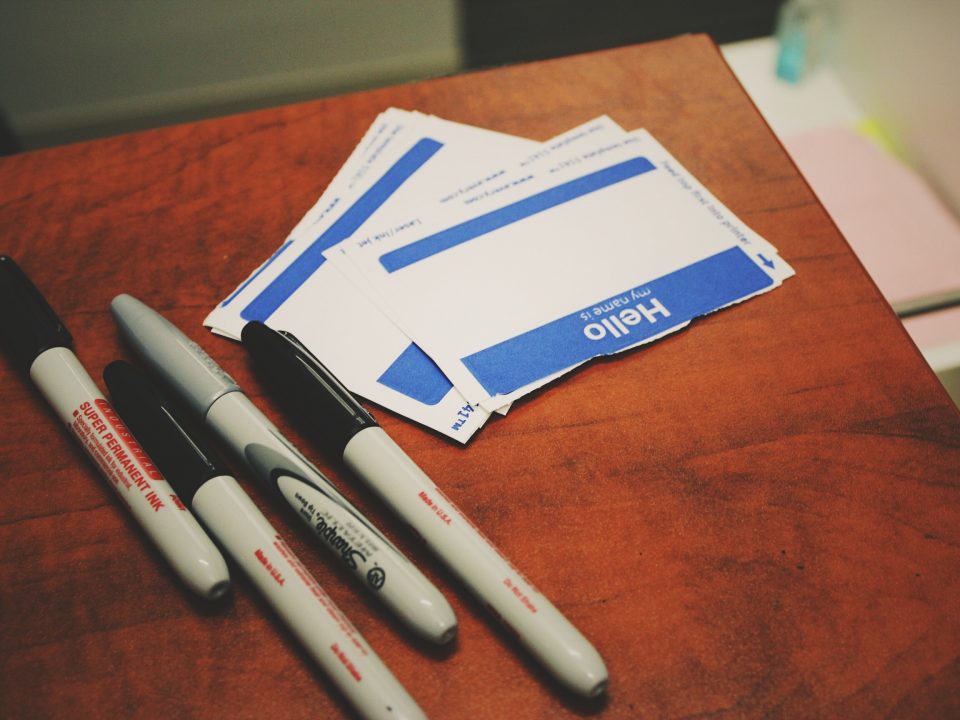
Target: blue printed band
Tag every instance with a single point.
(415, 375)
(617, 322)
(297, 273)
(458, 234)
(253, 277)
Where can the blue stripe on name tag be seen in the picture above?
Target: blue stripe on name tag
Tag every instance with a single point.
(415, 375)
(297, 273)
(253, 277)
(617, 322)
(458, 234)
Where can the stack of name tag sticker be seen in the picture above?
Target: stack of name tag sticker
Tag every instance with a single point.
(449, 270)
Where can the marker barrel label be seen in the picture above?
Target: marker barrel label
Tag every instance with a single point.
(101, 432)
(152, 501)
(310, 614)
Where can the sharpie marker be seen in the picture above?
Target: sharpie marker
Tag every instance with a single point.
(233, 518)
(367, 450)
(215, 397)
(41, 345)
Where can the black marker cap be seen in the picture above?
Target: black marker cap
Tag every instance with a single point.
(184, 462)
(28, 325)
(305, 386)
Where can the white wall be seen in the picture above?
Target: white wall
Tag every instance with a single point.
(71, 69)
(900, 59)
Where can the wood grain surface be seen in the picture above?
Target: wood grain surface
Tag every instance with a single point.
(756, 517)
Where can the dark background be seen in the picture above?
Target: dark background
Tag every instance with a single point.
(500, 32)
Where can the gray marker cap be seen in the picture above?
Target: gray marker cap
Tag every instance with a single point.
(182, 364)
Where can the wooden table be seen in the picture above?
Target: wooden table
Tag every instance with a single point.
(758, 516)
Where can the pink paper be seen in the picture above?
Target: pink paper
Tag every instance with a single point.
(906, 237)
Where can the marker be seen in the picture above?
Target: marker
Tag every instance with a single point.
(215, 397)
(250, 539)
(40, 344)
(365, 448)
